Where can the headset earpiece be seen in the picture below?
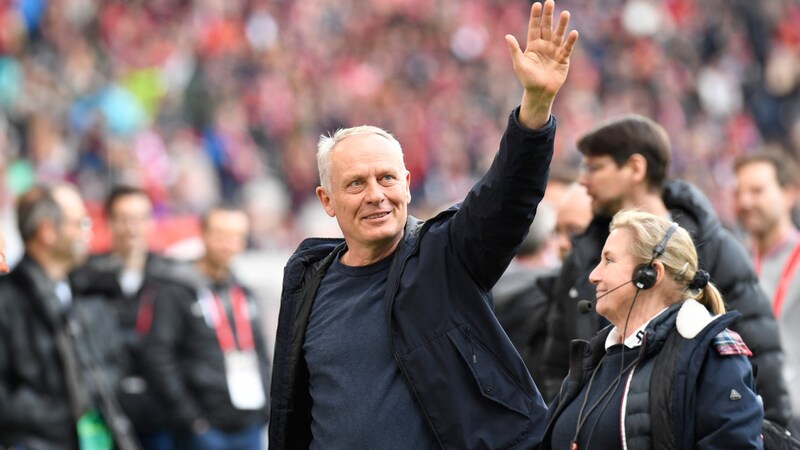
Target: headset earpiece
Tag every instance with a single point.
(644, 276)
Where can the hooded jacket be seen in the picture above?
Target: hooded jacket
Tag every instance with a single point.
(719, 254)
(471, 385)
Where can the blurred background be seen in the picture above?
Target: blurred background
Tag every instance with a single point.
(209, 100)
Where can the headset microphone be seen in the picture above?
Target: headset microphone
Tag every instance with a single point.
(584, 306)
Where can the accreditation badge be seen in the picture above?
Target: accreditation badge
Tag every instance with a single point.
(244, 380)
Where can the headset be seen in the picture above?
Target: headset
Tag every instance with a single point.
(645, 275)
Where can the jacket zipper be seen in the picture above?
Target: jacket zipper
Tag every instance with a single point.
(471, 345)
(626, 390)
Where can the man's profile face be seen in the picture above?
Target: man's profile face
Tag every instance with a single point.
(369, 193)
(75, 229)
(572, 217)
(606, 183)
(760, 202)
(130, 221)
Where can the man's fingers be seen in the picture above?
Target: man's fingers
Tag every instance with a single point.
(572, 38)
(547, 19)
(513, 47)
(533, 24)
(561, 28)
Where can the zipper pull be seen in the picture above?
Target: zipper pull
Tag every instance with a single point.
(471, 346)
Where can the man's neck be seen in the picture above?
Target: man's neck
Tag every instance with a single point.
(359, 257)
(213, 272)
(132, 260)
(54, 269)
(648, 202)
(774, 238)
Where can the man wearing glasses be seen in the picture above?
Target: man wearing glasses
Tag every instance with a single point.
(57, 368)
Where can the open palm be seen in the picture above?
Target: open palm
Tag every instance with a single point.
(542, 68)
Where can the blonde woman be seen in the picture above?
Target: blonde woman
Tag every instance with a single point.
(666, 372)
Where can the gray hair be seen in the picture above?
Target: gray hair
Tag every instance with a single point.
(328, 143)
(34, 207)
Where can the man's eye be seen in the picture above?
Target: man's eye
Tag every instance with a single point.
(355, 183)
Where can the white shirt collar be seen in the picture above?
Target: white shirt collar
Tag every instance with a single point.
(635, 339)
(64, 293)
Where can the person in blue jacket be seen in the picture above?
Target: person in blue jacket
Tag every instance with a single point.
(387, 339)
(667, 372)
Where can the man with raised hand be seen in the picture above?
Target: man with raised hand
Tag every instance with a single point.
(386, 338)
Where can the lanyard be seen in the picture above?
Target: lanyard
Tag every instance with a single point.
(144, 316)
(789, 269)
(787, 273)
(241, 319)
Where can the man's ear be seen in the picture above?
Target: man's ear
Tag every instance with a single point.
(638, 166)
(791, 194)
(47, 232)
(408, 186)
(326, 201)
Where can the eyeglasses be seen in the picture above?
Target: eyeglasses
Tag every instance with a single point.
(594, 167)
(84, 223)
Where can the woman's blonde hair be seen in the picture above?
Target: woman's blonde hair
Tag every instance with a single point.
(679, 257)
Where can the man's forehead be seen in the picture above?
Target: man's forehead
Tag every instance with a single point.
(761, 167)
(597, 158)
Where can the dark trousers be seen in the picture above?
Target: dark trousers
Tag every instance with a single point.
(215, 439)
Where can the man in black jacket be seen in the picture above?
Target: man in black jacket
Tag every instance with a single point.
(58, 366)
(625, 166)
(386, 338)
(205, 354)
(127, 276)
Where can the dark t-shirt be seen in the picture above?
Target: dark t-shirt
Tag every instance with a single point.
(360, 398)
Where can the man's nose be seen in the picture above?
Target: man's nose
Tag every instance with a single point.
(374, 192)
(583, 178)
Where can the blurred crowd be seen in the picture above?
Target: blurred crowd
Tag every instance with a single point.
(208, 100)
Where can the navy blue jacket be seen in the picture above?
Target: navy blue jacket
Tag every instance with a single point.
(697, 406)
(471, 385)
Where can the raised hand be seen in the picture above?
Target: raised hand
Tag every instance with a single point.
(542, 68)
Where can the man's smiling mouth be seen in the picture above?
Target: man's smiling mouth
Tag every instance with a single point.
(376, 215)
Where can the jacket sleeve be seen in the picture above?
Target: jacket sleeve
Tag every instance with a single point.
(161, 351)
(498, 211)
(728, 413)
(757, 326)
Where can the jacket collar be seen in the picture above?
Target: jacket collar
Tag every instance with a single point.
(691, 208)
(30, 276)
